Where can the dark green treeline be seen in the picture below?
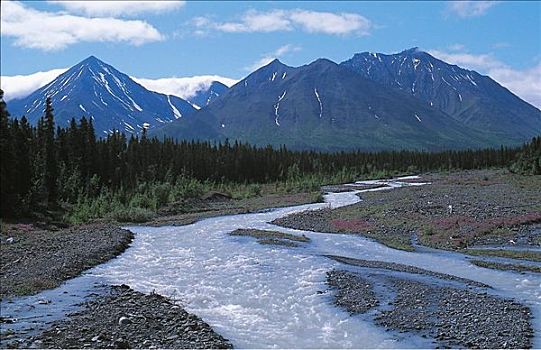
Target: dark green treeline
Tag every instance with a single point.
(43, 165)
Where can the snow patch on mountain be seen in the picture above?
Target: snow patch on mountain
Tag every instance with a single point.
(277, 106)
(176, 112)
(319, 101)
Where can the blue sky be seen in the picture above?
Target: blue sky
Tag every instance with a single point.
(178, 39)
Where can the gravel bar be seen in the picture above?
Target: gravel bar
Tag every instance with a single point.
(34, 259)
(354, 293)
(404, 268)
(126, 319)
(452, 317)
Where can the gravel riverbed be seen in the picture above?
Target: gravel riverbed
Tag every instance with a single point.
(33, 259)
(453, 317)
(124, 319)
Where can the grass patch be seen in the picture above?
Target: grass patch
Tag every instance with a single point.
(269, 235)
(512, 254)
(395, 242)
(507, 267)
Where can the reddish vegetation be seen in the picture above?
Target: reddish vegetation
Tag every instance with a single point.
(352, 225)
(457, 222)
(528, 218)
(453, 222)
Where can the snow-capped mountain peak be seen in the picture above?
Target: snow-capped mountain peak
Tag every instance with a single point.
(96, 90)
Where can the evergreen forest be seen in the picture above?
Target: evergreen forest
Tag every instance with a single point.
(50, 169)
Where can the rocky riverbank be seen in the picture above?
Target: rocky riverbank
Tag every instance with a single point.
(453, 317)
(33, 259)
(124, 319)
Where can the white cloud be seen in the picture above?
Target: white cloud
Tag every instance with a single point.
(525, 83)
(269, 57)
(331, 23)
(53, 31)
(20, 86)
(118, 8)
(466, 9)
(288, 20)
(183, 87)
(471, 61)
(254, 21)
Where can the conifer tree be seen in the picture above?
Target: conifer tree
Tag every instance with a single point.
(7, 155)
(51, 167)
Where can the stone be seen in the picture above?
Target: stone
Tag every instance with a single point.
(124, 321)
(120, 343)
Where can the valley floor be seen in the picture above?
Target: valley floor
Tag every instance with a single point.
(492, 215)
(122, 318)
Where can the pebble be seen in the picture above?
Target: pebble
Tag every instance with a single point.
(124, 321)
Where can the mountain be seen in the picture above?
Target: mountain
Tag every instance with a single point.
(110, 98)
(467, 96)
(206, 96)
(323, 106)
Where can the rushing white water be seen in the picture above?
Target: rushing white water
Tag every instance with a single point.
(263, 296)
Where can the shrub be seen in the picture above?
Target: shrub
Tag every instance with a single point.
(188, 188)
(162, 194)
(134, 214)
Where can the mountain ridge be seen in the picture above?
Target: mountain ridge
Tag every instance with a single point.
(322, 106)
(472, 98)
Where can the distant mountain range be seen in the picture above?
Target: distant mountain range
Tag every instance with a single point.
(372, 101)
(323, 106)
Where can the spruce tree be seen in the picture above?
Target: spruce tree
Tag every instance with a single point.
(7, 175)
(51, 166)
